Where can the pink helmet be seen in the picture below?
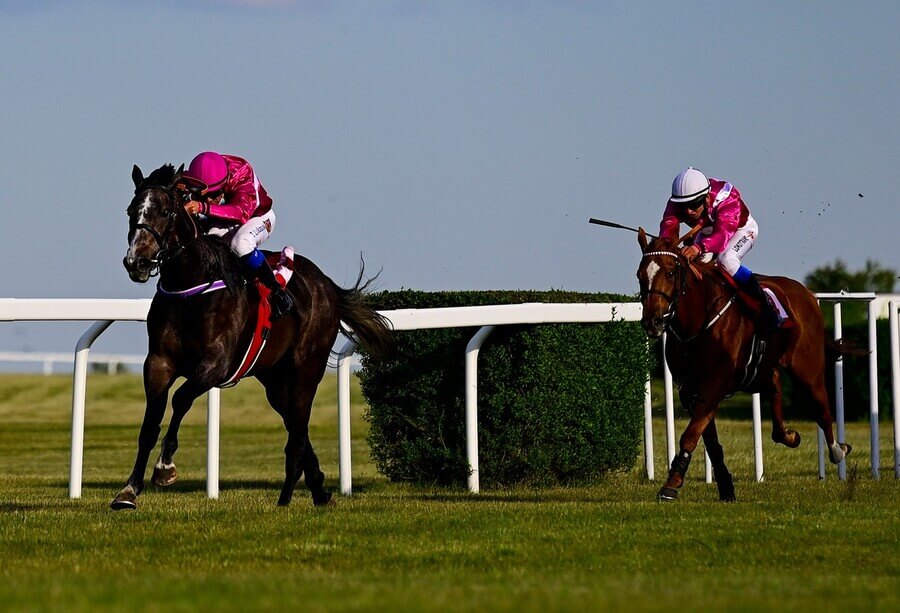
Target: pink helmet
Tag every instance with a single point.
(208, 168)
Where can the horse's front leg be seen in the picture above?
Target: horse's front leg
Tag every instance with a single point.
(159, 374)
(164, 472)
(702, 412)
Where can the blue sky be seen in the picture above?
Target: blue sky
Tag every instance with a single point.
(457, 145)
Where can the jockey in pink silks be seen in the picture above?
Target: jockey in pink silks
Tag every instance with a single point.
(728, 233)
(237, 208)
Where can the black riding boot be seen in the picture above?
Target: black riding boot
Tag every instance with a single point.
(281, 300)
(766, 318)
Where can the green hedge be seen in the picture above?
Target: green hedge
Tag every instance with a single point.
(558, 403)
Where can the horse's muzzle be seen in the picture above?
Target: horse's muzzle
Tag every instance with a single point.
(653, 326)
(138, 268)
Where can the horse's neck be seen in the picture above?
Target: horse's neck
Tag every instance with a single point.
(698, 297)
(201, 261)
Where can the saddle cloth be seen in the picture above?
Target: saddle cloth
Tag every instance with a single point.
(283, 267)
(776, 306)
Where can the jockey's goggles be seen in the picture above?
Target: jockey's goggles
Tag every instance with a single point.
(198, 190)
(695, 204)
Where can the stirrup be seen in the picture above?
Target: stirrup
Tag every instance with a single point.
(281, 302)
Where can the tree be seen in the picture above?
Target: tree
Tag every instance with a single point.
(834, 278)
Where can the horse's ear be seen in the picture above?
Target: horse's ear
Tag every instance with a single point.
(642, 239)
(178, 174)
(137, 176)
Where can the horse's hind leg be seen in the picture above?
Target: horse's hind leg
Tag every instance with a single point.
(293, 401)
(164, 472)
(315, 478)
(724, 480)
(817, 391)
(771, 389)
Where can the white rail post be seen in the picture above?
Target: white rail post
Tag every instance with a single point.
(648, 431)
(873, 391)
(213, 414)
(821, 439)
(895, 380)
(670, 407)
(757, 438)
(839, 388)
(344, 442)
(79, 390)
(472, 350)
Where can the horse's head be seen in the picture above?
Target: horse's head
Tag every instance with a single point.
(661, 275)
(153, 217)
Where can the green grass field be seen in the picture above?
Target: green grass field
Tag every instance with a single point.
(790, 543)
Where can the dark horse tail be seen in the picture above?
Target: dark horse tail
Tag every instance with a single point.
(836, 349)
(367, 326)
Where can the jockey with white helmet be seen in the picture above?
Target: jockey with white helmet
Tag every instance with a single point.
(728, 233)
(225, 189)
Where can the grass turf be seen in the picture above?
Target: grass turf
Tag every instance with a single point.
(790, 543)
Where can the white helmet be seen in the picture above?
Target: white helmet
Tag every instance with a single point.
(689, 185)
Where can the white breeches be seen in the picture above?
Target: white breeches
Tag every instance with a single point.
(247, 237)
(739, 245)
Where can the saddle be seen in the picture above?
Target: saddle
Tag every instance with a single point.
(760, 338)
(283, 266)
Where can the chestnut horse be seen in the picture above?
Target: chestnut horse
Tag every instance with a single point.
(203, 337)
(710, 351)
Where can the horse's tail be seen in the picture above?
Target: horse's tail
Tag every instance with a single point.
(367, 326)
(836, 349)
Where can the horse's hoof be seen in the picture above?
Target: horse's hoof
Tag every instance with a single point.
(792, 439)
(839, 451)
(725, 484)
(164, 475)
(322, 499)
(125, 500)
(667, 493)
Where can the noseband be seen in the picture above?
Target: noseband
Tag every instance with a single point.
(162, 238)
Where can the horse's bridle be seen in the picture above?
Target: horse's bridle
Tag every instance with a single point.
(672, 300)
(667, 316)
(162, 238)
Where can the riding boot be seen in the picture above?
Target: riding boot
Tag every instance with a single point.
(766, 318)
(280, 299)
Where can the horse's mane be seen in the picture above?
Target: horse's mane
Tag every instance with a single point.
(164, 176)
(223, 260)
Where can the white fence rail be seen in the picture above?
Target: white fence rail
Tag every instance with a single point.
(105, 312)
(48, 359)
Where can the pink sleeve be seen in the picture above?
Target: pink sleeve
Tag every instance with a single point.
(728, 219)
(668, 227)
(239, 204)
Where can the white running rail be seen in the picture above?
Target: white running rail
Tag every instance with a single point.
(105, 311)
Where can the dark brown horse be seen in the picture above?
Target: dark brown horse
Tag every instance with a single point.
(203, 337)
(710, 351)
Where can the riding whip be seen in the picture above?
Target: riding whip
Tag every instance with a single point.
(612, 224)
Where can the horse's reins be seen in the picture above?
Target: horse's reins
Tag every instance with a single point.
(162, 239)
(673, 301)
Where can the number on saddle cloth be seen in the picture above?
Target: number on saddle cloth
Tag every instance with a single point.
(284, 266)
(776, 305)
